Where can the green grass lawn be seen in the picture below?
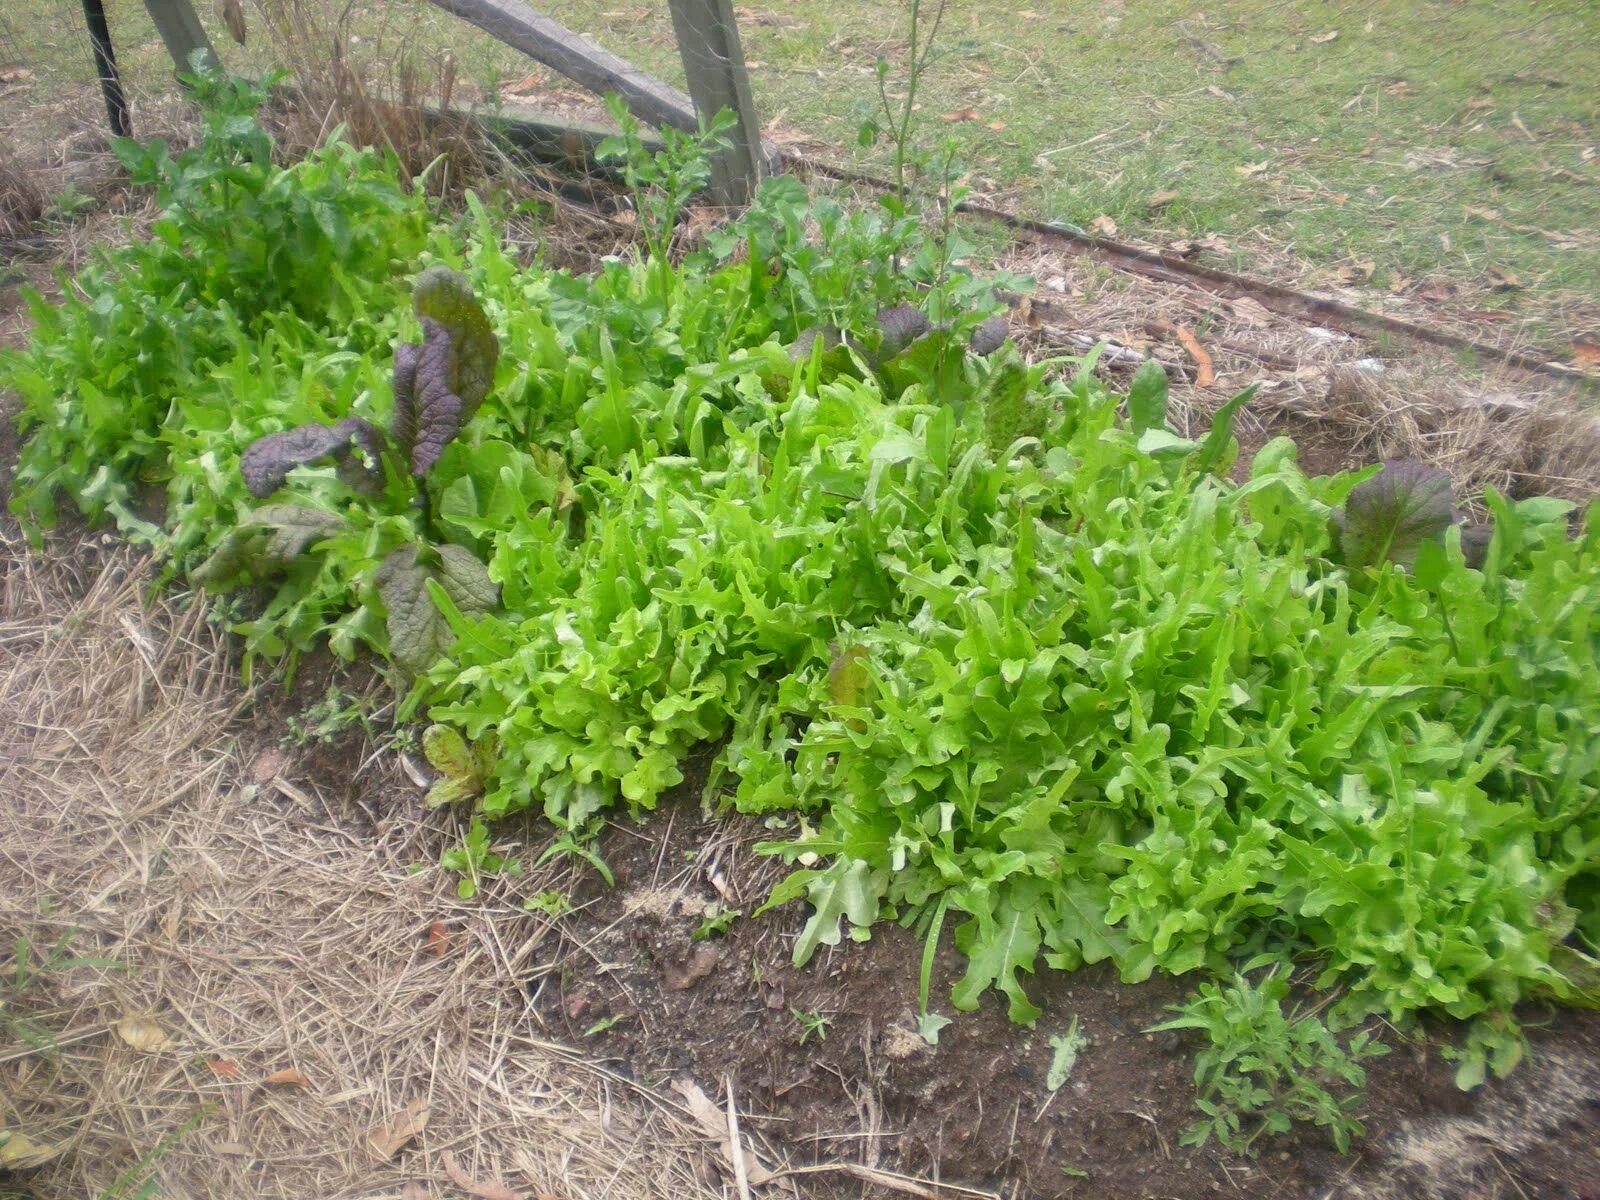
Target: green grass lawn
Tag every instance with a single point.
(1453, 145)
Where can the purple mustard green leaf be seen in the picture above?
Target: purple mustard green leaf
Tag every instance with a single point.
(990, 336)
(801, 349)
(403, 425)
(268, 460)
(1391, 515)
(444, 296)
(900, 325)
(440, 412)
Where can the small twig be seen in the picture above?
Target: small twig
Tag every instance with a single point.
(741, 1177)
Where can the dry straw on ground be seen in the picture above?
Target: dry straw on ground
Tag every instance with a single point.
(258, 934)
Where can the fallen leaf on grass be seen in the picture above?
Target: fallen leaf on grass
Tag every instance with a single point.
(1358, 272)
(1104, 226)
(1253, 168)
(484, 1189)
(1486, 214)
(438, 939)
(143, 1034)
(225, 1067)
(1160, 199)
(1487, 316)
(288, 1077)
(267, 765)
(388, 1139)
(1504, 281)
(1399, 283)
(997, 126)
(1322, 39)
(961, 114)
(1586, 354)
(1204, 374)
(18, 1152)
(1438, 291)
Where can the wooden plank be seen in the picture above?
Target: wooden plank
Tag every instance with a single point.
(181, 31)
(576, 57)
(713, 60)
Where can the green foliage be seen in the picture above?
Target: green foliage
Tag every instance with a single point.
(244, 250)
(984, 642)
(464, 769)
(1064, 1051)
(473, 860)
(1260, 1071)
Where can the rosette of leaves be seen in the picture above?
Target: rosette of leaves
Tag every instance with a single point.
(438, 386)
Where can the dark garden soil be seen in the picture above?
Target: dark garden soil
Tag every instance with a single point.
(630, 983)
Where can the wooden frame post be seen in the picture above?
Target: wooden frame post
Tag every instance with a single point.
(708, 40)
(180, 31)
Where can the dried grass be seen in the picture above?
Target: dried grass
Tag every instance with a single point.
(378, 84)
(22, 196)
(259, 927)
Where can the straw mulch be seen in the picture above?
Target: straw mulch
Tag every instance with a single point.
(218, 984)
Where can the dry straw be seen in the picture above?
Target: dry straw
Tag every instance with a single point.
(260, 932)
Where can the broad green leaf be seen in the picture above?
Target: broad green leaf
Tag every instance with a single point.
(843, 892)
(1147, 397)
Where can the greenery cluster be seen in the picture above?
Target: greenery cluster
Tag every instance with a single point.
(987, 641)
(1268, 1069)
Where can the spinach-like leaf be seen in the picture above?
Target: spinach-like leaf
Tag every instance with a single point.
(268, 461)
(419, 634)
(1391, 515)
(990, 336)
(264, 543)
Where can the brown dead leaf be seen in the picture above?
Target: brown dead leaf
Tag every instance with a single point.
(1437, 290)
(267, 765)
(438, 939)
(961, 114)
(225, 1067)
(143, 1034)
(1220, 94)
(713, 1123)
(288, 1077)
(236, 1149)
(1253, 168)
(1356, 272)
(388, 1139)
(1322, 39)
(525, 86)
(1204, 374)
(1251, 313)
(1484, 214)
(1104, 226)
(1504, 281)
(484, 1189)
(997, 126)
(1586, 355)
(11, 73)
(1160, 199)
(1398, 283)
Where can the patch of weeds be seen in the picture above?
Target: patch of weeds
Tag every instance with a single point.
(474, 860)
(322, 723)
(1262, 1070)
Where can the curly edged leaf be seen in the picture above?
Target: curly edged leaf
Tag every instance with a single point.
(268, 460)
(445, 297)
(419, 633)
(265, 543)
(465, 768)
(1389, 517)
